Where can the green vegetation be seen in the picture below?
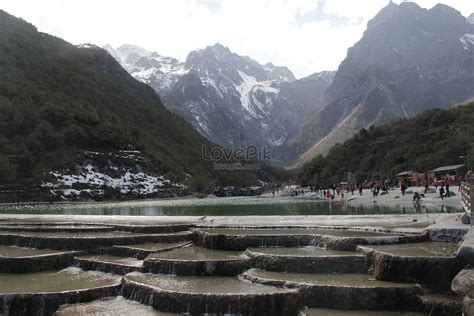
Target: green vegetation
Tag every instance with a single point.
(429, 140)
(58, 100)
(202, 185)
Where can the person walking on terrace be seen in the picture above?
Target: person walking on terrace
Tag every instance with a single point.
(403, 188)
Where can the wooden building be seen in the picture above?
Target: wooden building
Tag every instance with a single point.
(454, 173)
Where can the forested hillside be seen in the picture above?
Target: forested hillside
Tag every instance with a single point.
(59, 101)
(429, 140)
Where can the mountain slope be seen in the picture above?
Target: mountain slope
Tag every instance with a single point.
(409, 59)
(231, 99)
(60, 103)
(470, 18)
(159, 72)
(429, 140)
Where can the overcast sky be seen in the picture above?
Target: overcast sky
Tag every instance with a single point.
(305, 35)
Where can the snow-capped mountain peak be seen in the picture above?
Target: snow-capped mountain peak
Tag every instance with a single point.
(280, 73)
(233, 100)
(470, 18)
(160, 72)
(130, 54)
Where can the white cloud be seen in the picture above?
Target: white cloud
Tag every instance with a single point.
(263, 29)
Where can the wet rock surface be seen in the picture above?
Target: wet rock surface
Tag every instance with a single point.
(20, 260)
(424, 249)
(433, 266)
(193, 260)
(153, 229)
(19, 252)
(325, 268)
(141, 251)
(279, 231)
(55, 228)
(117, 306)
(466, 250)
(84, 241)
(338, 239)
(468, 305)
(240, 242)
(307, 260)
(440, 304)
(351, 243)
(213, 295)
(41, 293)
(342, 291)
(108, 263)
(335, 312)
(463, 284)
(447, 234)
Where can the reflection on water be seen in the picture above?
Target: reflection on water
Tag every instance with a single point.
(309, 251)
(295, 231)
(226, 206)
(195, 253)
(203, 284)
(69, 279)
(346, 279)
(436, 249)
(18, 252)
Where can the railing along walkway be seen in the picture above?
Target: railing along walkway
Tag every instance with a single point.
(467, 196)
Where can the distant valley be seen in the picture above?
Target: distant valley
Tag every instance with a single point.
(230, 99)
(409, 60)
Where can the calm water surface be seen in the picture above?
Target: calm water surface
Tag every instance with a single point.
(229, 206)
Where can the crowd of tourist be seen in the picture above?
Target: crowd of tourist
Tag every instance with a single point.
(375, 187)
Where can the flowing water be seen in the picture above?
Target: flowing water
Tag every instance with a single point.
(194, 253)
(203, 284)
(421, 249)
(69, 279)
(159, 246)
(309, 251)
(52, 228)
(346, 279)
(333, 312)
(18, 252)
(132, 262)
(117, 306)
(65, 234)
(295, 231)
(228, 206)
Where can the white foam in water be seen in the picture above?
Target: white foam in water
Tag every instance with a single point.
(117, 306)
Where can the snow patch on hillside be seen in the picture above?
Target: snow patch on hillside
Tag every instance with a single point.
(248, 87)
(137, 183)
(209, 82)
(167, 73)
(86, 45)
(467, 41)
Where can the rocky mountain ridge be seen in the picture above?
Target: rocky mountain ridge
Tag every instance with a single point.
(409, 60)
(231, 99)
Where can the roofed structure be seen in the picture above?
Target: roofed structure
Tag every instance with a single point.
(448, 168)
